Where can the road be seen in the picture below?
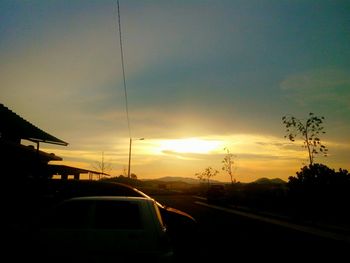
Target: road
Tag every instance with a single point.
(225, 233)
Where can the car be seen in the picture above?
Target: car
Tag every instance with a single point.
(180, 227)
(60, 190)
(103, 229)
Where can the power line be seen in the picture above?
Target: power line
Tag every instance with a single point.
(123, 69)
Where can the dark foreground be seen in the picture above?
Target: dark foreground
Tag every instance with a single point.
(221, 236)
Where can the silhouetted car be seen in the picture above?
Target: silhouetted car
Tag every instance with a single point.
(180, 226)
(103, 229)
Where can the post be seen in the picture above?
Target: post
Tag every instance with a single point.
(129, 158)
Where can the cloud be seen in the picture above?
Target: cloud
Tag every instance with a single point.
(319, 86)
(185, 156)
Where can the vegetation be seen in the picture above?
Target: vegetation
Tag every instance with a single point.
(208, 173)
(309, 131)
(320, 191)
(227, 164)
(102, 166)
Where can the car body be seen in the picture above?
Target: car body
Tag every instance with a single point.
(179, 226)
(60, 190)
(103, 229)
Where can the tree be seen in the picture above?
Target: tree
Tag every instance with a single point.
(102, 167)
(208, 173)
(317, 187)
(309, 131)
(228, 164)
(314, 175)
(319, 175)
(125, 172)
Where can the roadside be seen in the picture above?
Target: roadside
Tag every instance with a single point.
(339, 232)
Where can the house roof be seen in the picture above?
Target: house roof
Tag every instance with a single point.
(15, 127)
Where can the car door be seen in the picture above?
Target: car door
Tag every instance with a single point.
(64, 231)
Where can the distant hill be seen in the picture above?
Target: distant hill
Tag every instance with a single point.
(175, 179)
(193, 181)
(265, 180)
(187, 180)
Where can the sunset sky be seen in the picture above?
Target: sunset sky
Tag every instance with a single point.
(200, 76)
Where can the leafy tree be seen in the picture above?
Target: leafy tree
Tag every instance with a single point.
(320, 191)
(312, 176)
(309, 131)
(208, 173)
(228, 164)
(319, 176)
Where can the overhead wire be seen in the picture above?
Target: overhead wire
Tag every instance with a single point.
(123, 69)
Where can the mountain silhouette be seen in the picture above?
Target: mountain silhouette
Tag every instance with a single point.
(265, 180)
(188, 180)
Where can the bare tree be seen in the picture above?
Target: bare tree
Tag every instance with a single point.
(102, 166)
(228, 163)
(125, 172)
(208, 173)
(309, 131)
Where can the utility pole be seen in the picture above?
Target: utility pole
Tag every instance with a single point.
(130, 143)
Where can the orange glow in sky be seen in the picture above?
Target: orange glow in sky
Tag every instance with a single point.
(190, 145)
(254, 156)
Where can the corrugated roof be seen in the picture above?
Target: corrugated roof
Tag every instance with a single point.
(14, 126)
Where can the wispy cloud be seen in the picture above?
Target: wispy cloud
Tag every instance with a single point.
(320, 86)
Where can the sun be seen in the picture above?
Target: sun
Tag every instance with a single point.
(190, 145)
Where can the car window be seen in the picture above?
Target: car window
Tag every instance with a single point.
(72, 215)
(117, 215)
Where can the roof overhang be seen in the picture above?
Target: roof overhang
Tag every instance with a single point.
(14, 127)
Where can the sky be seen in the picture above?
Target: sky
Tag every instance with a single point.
(202, 77)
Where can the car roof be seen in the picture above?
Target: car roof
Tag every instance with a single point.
(111, 198)
(65, 189)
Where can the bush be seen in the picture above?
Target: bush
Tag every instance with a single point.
(320, 191)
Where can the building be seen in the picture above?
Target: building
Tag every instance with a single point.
(18, 160)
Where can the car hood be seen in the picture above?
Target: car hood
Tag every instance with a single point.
(179, 212)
